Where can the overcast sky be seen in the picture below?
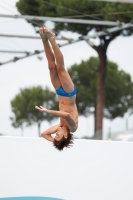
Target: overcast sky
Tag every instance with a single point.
(32, 71)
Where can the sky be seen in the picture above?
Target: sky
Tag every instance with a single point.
(33, 71)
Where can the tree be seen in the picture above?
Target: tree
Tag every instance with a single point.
(119, 89)
(85, 10)
(23, 106)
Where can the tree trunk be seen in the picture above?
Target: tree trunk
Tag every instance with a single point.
(99, 108)
(100, 94)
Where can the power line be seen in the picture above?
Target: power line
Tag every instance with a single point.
(16, 43)
(112, 17)
(65, 8)
(7, 9)
(109, 14)
(120, 13)
(100, 14)
(7, 3)
(116, 1)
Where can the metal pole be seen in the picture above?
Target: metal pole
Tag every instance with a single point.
(108, 31)
(97, 34)
(31, 37)
(6, 51)
(58, 19)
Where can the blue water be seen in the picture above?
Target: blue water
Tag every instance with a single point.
(29, 198)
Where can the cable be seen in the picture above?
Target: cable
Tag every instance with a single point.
(120, 13)
(103, 9)
(6, 9)
(8, 4)
(18, 45)
(62, 7)
(114, 13)
(110, 15)
(83, 14)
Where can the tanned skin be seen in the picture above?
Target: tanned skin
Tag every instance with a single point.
(67, 113)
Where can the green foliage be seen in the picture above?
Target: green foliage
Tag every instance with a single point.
(80, 9)
(84, 77)
(28, 7)
(23, 106)
(118, 91)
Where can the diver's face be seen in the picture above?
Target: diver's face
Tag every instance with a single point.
(60, 133)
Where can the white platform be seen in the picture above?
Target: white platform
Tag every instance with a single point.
(91, 170)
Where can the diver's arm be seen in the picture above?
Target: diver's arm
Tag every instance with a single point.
(54, 112)
(48, 132)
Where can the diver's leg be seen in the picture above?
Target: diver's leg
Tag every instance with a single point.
(51, 60)
(64, 77)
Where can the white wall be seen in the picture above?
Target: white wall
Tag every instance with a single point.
(91, 170)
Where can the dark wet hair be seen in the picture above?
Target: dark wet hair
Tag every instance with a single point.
(64, 142)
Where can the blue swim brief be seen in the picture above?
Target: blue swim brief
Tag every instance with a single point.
(60, 91)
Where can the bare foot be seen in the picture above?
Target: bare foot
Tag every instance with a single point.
(48, 33)
(43, 37)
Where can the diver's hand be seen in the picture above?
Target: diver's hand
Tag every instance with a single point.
(41, 108)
